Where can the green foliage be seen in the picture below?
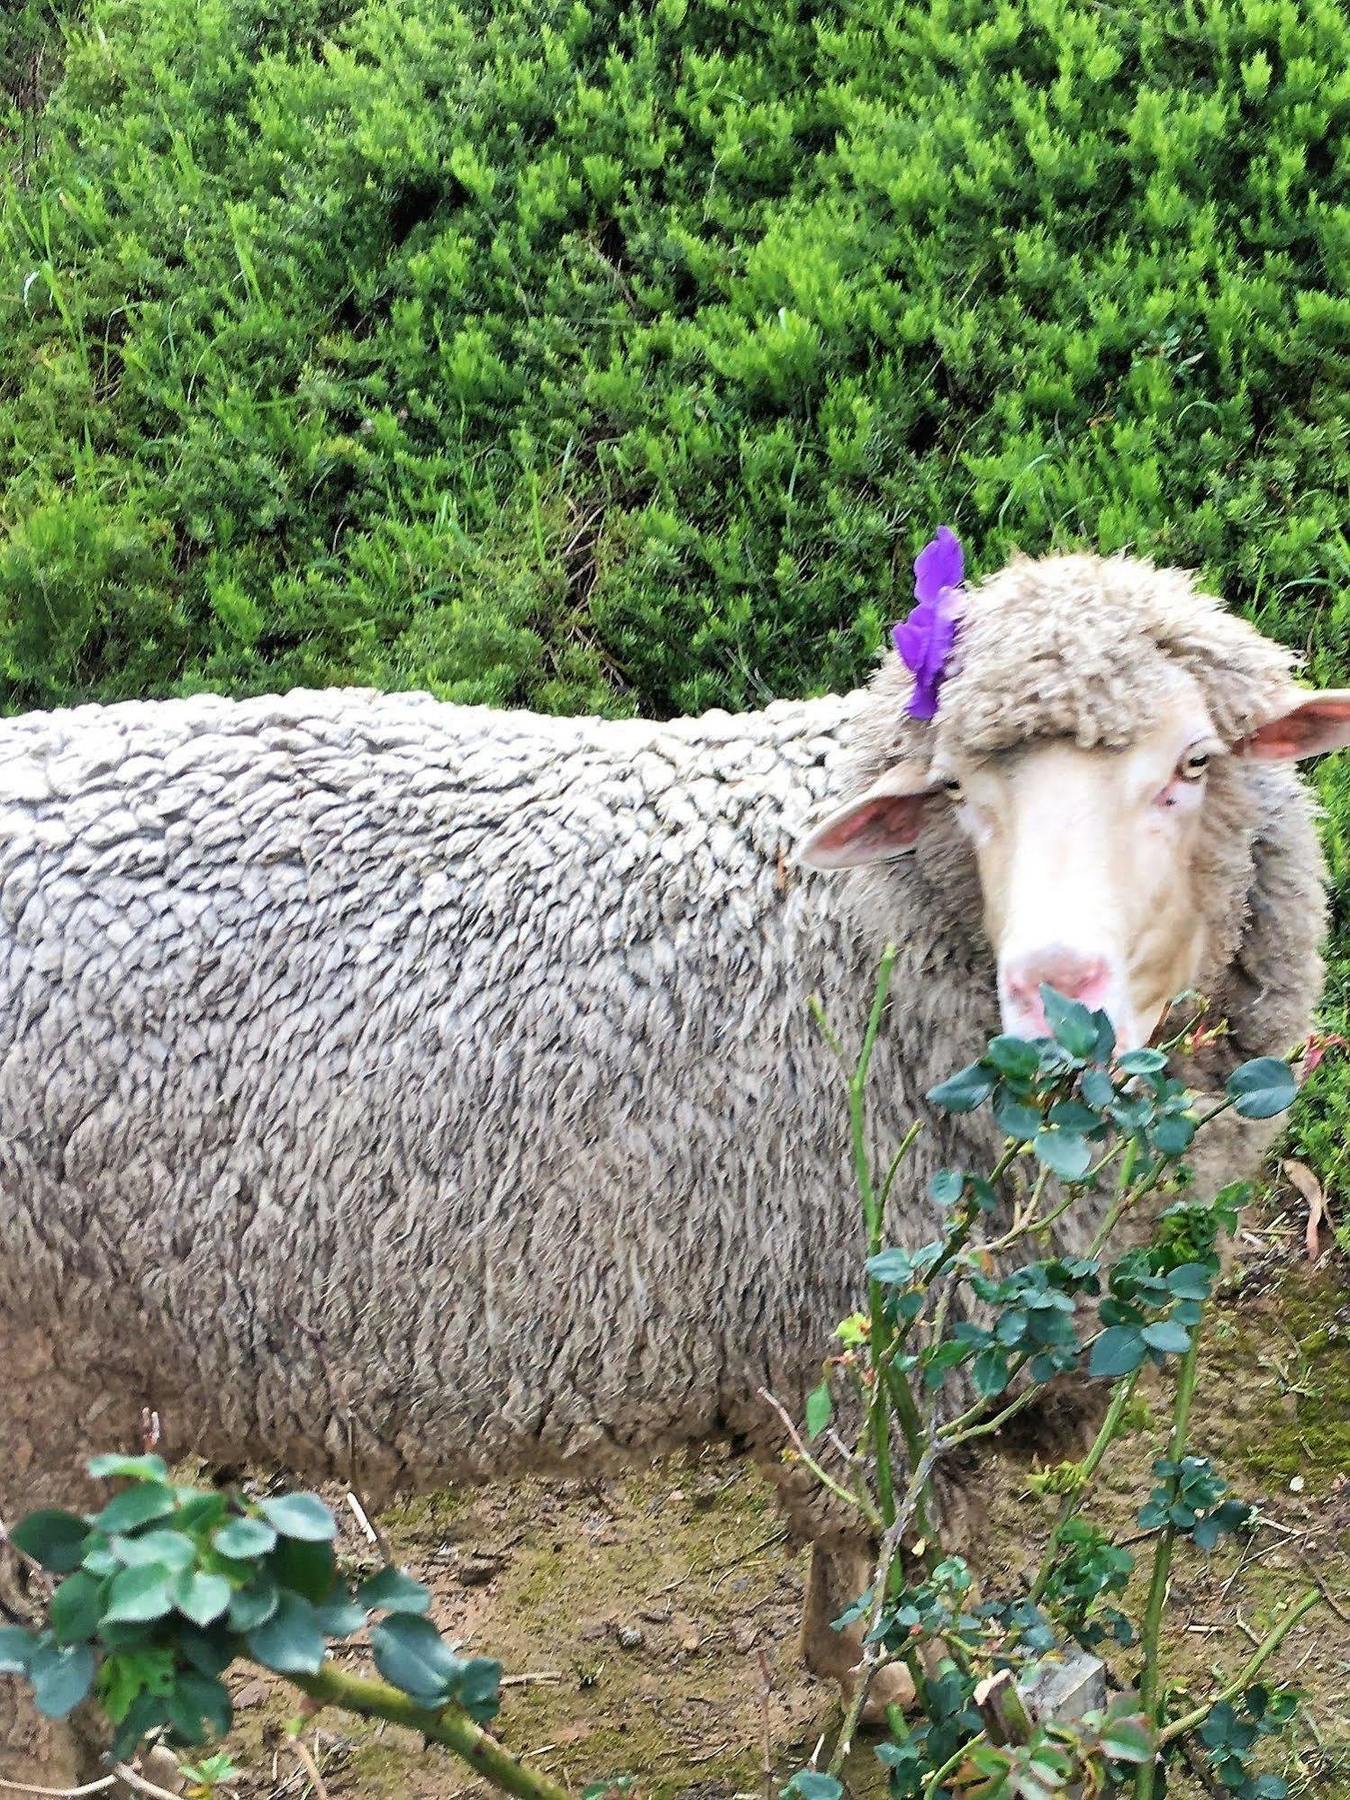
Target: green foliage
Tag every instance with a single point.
(591, 355)
(966, 1303)
(167, 1585)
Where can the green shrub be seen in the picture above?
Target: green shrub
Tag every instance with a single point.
(591, 355)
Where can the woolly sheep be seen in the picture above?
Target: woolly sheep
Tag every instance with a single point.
(434, 1089)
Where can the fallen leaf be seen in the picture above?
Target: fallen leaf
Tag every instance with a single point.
(1301, 1177)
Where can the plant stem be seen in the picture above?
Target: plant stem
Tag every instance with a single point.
(1255, 1663)
(1087, 1469)
(875, 1222)
(1162, 1562)
(449, 1725)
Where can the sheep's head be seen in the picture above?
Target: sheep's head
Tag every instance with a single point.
(1094, 748)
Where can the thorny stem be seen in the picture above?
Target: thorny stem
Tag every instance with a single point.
(1162, 1562)
(1255, 1663)
(1087, 1469)
(873, 1214)
(448, 1725)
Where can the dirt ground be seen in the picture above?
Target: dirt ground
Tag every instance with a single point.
(647, 1624)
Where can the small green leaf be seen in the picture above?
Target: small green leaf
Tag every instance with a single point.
(17, 1645)
(136, 1506)
(290, 1641)
(1142, 1062)
(1262, 1088)
(53, 1538)
(1097, 1089)
(819, 1412)
(989, 1372)
(138, 1594)
(199, 1707)
(1013, 1056)
(1167, 1336)
(251, 1606)
(172, 1549)
(245, 1539)
(1071, 1024)
(1014, 1119)
(1174, 1134)
(947, 1186)
(200, 1597)
(134, 1468)
(302, 1516)
(76, 1608)
(1064, 1153)
(963, 1092)
(61, 1677)
(340, 1618)
(1190, 1281)
(1116, 1352)
(410, 1653)
(307, 1567)
(809, 1784)
(1128, 1739)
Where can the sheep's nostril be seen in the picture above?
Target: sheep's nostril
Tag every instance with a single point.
(1076, 976)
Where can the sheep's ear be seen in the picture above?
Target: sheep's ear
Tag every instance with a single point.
(1317, 723)
(883, 822)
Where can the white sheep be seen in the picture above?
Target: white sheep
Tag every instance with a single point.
(435, 1087)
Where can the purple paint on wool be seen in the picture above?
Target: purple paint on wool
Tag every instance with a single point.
(924, 640)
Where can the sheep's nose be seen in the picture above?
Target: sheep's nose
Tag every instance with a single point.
(1072, 973)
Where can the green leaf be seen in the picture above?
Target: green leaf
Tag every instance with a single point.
(410, 1653)
(302, 1516)
(124, 1674)
(1142, 1062)
(17, 1644)
(76, 1608)
(1174, 1135)
(1262, 1088)
(307, 1567)
(479, 1688)
(963, 1092)
(245, 1539)
(1116, 1352)
(1167, 1336)
(1190, 1281)
(290, 1641)
(989, 1372)
(1013, 1056)
(1072, 1115)
(138, 1594)
(819, 1412)
(1015, 1120)
(199, 1707)
(1064, 1153)
(53, 1538)
(809, 1784)
(61, 1677)
(1071, 1024)
(200, 1597)
(134, 1468)
(947, 1186)
(1128, 1739)
(197, 1511)
(171, 1549)
(1097, 1089)
(250, 1606)
(136, 1506)
(341, 1617)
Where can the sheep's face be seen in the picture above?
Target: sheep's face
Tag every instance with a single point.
(1089, 859)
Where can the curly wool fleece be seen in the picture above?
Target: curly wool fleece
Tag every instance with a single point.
(439, 1083)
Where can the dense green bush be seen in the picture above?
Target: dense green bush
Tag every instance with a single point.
(601, 355)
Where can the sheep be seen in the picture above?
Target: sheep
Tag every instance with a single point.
(431, 1091)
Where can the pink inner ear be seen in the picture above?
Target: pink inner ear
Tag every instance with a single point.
(1323, 723)
(885, 822)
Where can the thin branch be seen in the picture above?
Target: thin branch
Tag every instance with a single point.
(302, 1754)
(1253, 1666)
(90, 1787)
(449, 1725)
(140, 1785)
(874, 1518)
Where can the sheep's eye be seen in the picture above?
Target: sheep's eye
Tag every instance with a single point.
(951, 787)
(1193, 765)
